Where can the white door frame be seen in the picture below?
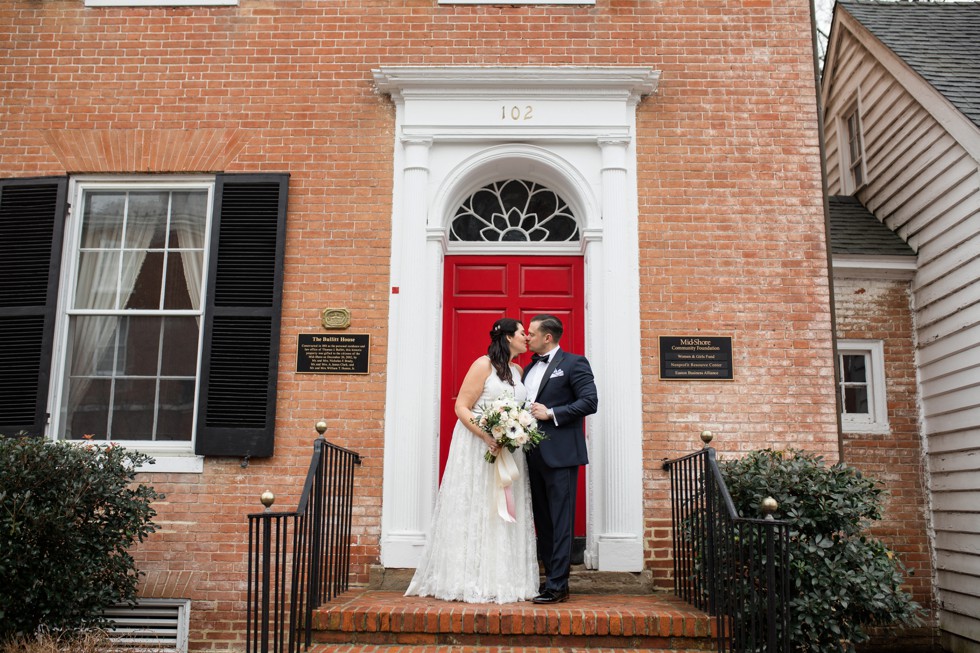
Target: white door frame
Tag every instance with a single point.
(456, 128)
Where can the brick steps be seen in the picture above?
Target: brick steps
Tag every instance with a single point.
(367, 621)
(397, 648)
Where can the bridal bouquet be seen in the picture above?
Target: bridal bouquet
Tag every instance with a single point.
(510, 424)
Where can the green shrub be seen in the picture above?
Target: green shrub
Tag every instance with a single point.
(844, 579)
(68, 514)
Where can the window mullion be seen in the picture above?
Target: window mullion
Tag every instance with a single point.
(112, 383)
(166, 251)
(156, 390)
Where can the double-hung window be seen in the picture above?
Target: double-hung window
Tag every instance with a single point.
(130, 332)
(853, 170)
(147, 315)
(861, 385)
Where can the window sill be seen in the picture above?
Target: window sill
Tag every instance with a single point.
(866, 427)
(517, 2)
(160, 3)
(173, 463)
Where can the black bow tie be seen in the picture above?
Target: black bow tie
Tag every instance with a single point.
(538, 358)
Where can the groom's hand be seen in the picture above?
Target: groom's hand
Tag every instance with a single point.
(539, 412)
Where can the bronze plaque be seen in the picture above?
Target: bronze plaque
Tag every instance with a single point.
(335, 318)
(333, 354)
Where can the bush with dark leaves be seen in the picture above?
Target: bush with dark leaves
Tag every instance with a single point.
(68, 514)
(844, 580)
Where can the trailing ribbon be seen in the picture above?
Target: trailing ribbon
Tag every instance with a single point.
(506, 473)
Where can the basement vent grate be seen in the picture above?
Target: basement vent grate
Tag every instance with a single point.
(150, 625)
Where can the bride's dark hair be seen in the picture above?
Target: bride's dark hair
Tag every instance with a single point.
(499, 350)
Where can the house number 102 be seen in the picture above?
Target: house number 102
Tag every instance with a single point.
(516, 112)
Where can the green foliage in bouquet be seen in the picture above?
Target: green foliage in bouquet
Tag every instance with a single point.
(844, 580)
(510, 423)
(68, 514)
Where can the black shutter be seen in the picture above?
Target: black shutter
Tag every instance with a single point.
(32, 219)
(244, 298)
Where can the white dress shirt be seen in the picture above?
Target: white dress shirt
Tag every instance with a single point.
(534, 378)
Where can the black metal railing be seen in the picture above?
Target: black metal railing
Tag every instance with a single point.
(734, 568)
(299, 560)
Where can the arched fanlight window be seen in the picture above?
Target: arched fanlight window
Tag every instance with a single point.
(514, 211)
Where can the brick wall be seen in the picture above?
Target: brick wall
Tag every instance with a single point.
(880, 310)
(731, 224)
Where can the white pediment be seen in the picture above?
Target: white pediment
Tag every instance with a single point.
(525, 103)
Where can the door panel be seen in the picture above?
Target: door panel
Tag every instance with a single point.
(481, 281)
(481, 289)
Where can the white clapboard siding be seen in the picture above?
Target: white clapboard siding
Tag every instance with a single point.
(959, 203)
(960, 420)
(923, 184)
(956, 582)
(964, 604)
(945, 443)
(958, 562)
(940, 257)
(956, 501)
(950, 462)
(954, 481)
(899, 114)
(964, 378)
(929, 151)
(948, 325)
(953, 344)
(957, 293)
(923, 213)
(967, 627)
(962, 522)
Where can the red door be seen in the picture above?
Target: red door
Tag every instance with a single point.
(481, 289)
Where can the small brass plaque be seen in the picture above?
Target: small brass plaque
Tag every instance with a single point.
(335, 318)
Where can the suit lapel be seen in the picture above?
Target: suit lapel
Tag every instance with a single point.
(547, 373)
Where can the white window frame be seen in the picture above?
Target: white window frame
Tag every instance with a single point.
(161, 3)
(849, 183)
(876, 420)
(169, 456)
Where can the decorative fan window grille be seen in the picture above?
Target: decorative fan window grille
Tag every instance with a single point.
(514, 211)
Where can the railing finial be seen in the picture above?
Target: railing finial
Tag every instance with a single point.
(321, 427)
(267, 499)
(769, 506)
(706, 437)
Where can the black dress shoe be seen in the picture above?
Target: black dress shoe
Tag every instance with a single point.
(548, 597)
(541, 588)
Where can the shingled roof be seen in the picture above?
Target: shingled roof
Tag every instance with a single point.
(940, 41)
(855, 230)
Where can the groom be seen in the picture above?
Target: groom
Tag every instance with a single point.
(562, 391)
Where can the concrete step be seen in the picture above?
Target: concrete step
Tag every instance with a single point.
(581, 581)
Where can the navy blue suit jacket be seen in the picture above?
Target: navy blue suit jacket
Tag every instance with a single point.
(568, 388)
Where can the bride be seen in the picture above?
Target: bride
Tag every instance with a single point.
(473, 554)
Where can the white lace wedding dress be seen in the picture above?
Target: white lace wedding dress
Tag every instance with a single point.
(473, 555)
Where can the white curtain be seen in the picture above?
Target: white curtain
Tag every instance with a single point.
(100, 274)
(187, 223)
